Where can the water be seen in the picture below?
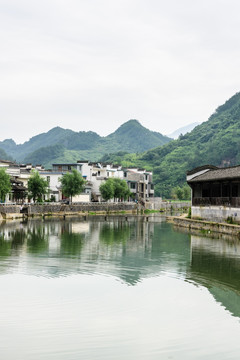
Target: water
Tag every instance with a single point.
(117, 289)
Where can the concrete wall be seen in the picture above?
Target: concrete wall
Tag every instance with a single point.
(216, 213)
(81, 198)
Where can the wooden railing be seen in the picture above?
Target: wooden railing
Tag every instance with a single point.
(216, 201)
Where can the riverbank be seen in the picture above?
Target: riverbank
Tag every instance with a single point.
(10, 212)
(207, 227)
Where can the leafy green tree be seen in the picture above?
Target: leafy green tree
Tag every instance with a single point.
(114, 188)
(5, 184)
(186, 192)
(181, 192)
(72, 183)
(121, 190)
(37, 186)
(107, 189)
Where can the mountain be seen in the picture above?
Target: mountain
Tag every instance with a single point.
(183, 130)
(215, 142)
(5, 156)
(64, 145)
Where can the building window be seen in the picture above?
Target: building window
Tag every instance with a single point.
(125, 174)
(132, 186)
(48, 179)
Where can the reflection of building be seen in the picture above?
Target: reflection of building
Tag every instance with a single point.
(215, 192)
(215, 264)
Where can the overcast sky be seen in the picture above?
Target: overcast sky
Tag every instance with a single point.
(95, 64)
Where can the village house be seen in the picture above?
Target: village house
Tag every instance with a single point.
(95, 173)
(215, 193)
(138, 180)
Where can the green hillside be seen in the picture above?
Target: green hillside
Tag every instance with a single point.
(216, 142)
(60, 145)
(5, 156)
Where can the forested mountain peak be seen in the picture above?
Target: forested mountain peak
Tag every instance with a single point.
(215, 142)
(62, 145)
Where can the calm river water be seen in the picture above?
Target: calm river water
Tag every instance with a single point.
(117, 289)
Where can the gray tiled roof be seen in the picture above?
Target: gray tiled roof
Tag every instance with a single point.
(219, 174)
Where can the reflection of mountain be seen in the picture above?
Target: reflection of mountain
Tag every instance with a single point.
(129, 250)
(216, 265)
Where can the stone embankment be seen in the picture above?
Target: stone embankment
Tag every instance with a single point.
(205, 226)
(58, 209)
(167, 206)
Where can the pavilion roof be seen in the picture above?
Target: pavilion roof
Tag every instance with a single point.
(228, 173)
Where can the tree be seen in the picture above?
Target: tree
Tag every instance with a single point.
(107, 189)
(72, 183)
(37, 186)
(181, 193)
(114, 188)
(121, 190)
(5, 184)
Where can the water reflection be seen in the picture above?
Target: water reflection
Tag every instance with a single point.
(129, 250)
(216, 265)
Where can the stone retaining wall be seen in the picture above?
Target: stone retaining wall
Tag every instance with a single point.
(158, 204)
(206, 226)
(6, 209)
(34, 209)
(10, 212)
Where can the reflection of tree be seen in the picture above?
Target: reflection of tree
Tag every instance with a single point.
(114, 233)
(5, 247)
(15, 241)
(17, 238)
(71, 243)
(37, 240)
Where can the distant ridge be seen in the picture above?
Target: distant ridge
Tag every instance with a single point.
(183, 130)
(65, 145)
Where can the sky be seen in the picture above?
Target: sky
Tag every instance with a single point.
(95, 64)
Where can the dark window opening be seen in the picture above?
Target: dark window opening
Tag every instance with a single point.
(225, 190)
(234, 190)
(216, 190)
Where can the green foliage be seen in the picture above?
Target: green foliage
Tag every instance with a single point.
(63, 145)
(107, 189)
(5, 184)
(181, 192)
(5, 156)
(37, 186)
(215, 142)
(72, 183)
(189, 215)
(114, 188)
(42, 155)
